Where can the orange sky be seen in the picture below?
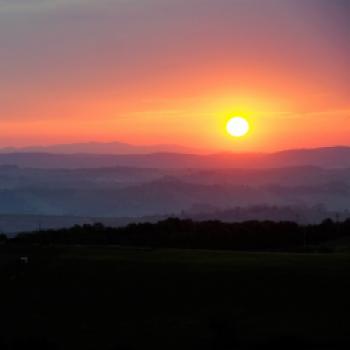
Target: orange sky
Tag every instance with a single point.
(151, 71)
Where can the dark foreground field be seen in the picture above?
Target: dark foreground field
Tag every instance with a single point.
(119, 298)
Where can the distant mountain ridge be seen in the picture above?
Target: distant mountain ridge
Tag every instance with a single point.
(327, 157)
(102, 148)
(78, 188)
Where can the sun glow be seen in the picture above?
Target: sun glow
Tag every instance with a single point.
(237, 126)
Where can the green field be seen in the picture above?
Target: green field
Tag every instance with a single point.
(119, 298)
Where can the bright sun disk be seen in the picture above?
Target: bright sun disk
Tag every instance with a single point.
(237, 126)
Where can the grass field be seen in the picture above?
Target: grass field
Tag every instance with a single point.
(113, 298)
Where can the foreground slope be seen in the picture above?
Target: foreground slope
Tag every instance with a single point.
(112, 298)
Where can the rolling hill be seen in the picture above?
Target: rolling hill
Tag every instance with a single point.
(328, 157)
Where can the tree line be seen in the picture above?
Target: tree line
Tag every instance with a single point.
(185, 233)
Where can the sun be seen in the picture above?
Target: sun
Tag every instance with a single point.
(237, 126)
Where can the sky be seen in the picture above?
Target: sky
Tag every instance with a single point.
(174, 71)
